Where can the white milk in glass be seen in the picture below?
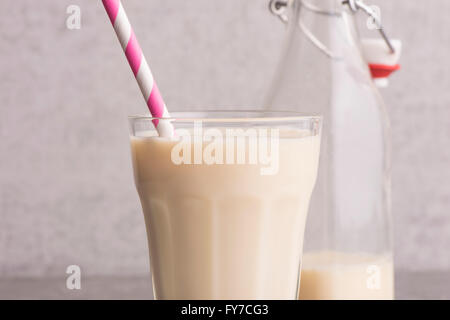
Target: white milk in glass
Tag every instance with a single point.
(225, 231)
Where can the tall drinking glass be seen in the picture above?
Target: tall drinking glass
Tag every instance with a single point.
(225, 201)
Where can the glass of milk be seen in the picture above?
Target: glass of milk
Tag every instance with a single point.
(225, 201)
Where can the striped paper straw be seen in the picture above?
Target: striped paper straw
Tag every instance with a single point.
(139, 65)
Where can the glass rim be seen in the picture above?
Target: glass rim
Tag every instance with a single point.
(236, 116)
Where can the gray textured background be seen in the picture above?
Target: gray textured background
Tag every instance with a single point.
(66, 188)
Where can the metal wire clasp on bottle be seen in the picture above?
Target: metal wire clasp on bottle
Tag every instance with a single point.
(279, 9)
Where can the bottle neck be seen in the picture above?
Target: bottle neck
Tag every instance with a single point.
(328, 25)
(324, 6)
(322, 42)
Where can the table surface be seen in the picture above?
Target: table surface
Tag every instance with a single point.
(408, 285)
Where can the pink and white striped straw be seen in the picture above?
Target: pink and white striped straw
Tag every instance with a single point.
(139, 65)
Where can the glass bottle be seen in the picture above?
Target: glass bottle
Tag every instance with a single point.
(348, 250)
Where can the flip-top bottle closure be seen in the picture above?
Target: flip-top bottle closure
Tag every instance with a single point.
(382, 55)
